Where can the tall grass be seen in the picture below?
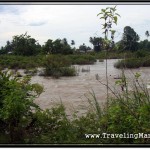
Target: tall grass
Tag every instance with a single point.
(133, 63)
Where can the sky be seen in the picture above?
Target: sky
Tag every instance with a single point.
(74, 22)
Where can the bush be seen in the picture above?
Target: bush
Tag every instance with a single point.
(85, 59)
(133, 63)
(20, 62)
(128, 63)
(68, 71)
(146, 62)
(57, 66)
(16, 106)
(141, 53)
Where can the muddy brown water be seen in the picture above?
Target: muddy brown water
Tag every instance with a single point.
(74, 92)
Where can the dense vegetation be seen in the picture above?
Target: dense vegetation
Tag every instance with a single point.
(139, 59)
(25, 45)
(22, 121)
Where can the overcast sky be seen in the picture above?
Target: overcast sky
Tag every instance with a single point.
(74, 22)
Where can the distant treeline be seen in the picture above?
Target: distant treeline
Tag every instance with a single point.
(25, 45)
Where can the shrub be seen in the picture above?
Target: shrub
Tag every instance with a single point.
(16, 106)
(146, 62)
(51, 127)
(85, 59)
(68, 71)
(141, 53)
(20, 62)
(57, 66)
(128, 63)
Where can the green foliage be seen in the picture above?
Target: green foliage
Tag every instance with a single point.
(133, 63)
(144, 46)
(25, 45)
(7, 48)
(109, 16)
(51, 126)
(47, 48)
(57, 47)
(128, 63)
(98, 43)
(20, 62)
(57, 66)
(82, 59)
(83, 48)
(141, 53)
(130, 39)
(16, 106)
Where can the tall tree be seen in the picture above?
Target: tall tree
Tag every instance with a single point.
(48, 47)
(97, 43)
(64, 41)
(25, 45)
(57, 47)
(130, 39)
(7, 48)
(83, 47)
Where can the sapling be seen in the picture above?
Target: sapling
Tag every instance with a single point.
(110, 17)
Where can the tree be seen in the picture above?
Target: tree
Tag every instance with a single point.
(109, 16)
(25, 45)
(83, 47)
(7, 48)
(64, 41)
(72, 42)
(48, 47)
(130, 39)
(57, 47)
(144, 45)
(147, 34)
(97, 43)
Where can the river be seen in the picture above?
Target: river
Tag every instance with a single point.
(74, 92)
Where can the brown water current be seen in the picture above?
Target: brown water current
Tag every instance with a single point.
(74, 92)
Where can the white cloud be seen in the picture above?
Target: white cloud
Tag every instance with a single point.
(74, 22)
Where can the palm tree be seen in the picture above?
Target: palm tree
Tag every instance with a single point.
(72, 42)
(147, 34)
